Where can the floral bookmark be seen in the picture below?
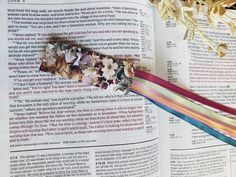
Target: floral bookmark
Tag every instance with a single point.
(77, 63)
(74, 62)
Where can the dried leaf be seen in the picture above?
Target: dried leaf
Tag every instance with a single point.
(187, 9)
(222, 49)
(193, 34)
(210, 9)
(154, 1)
(191, 3)
(184, 12)
(212, 22)
(215, 10)
(160, 5)
(186, 34)
(232, 28)
(190, 14)
(228, 3)
(192, 20)
(209, 49)
(200, 9)
(221, 10)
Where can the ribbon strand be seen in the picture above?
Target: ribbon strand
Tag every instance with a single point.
(184, 92)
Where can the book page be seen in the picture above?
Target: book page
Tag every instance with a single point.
(51, 126)
(185, 150)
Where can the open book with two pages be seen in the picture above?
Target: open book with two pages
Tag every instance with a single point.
(54, 127)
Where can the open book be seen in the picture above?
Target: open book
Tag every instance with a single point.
(54, 127)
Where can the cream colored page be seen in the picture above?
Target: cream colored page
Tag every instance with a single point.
(185, 150)
(52, 126)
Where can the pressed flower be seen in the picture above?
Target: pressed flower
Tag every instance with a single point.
(50, 46)
(70, 56)
(51, 62)
(101, 80)
(110, 81)
(129, 69)
(60, 51)
(90, 76)
(47, 56)
(109, 68)
(99, 72)
(104, 85)
(105, 73)
(99, 65)
(95, 58)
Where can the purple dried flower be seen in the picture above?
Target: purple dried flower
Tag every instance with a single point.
(104, 85)
(110, 82)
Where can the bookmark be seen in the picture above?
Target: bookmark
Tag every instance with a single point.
(75, 62)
